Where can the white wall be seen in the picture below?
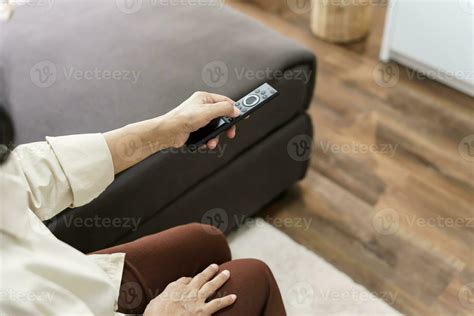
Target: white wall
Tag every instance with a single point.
(433, 36)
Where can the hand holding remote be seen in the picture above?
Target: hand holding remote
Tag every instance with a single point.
(248, 104)
(134, 142)
(202, 109)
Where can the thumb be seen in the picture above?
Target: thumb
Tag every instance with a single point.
(223, 108)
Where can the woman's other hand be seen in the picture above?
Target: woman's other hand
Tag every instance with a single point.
(188, 296)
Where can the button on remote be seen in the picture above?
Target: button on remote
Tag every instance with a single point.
(251, 100)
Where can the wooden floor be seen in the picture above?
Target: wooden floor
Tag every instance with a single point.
(398, 217)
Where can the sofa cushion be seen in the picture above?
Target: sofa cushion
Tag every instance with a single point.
(92, 66)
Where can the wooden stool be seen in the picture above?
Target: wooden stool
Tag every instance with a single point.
(341, 21)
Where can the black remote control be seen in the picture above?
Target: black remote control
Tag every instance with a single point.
(247, 105)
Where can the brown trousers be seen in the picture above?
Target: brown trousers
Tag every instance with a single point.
(154, 261)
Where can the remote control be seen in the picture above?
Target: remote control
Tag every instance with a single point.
(247, 105)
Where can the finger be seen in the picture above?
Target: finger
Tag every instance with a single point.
(211, 144)
(219, 98)
(212, 286)
(231, 132)
(220, 303)
(184, 280)
(223, 108)
(201, 278)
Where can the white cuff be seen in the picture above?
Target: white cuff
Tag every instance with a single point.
(87, 164)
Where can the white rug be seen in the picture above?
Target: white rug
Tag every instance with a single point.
(310, 286)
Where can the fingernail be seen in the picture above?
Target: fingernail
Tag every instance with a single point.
(236, 111)
(214, 266)
(226, 272)
(233, 296)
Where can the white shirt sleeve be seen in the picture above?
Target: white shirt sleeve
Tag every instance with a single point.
(66, 171)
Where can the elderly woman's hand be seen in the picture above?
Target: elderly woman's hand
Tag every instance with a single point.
(196, 112)
(188, 296)
(133, 143)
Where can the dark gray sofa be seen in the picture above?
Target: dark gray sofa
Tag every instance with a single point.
(60, 62)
